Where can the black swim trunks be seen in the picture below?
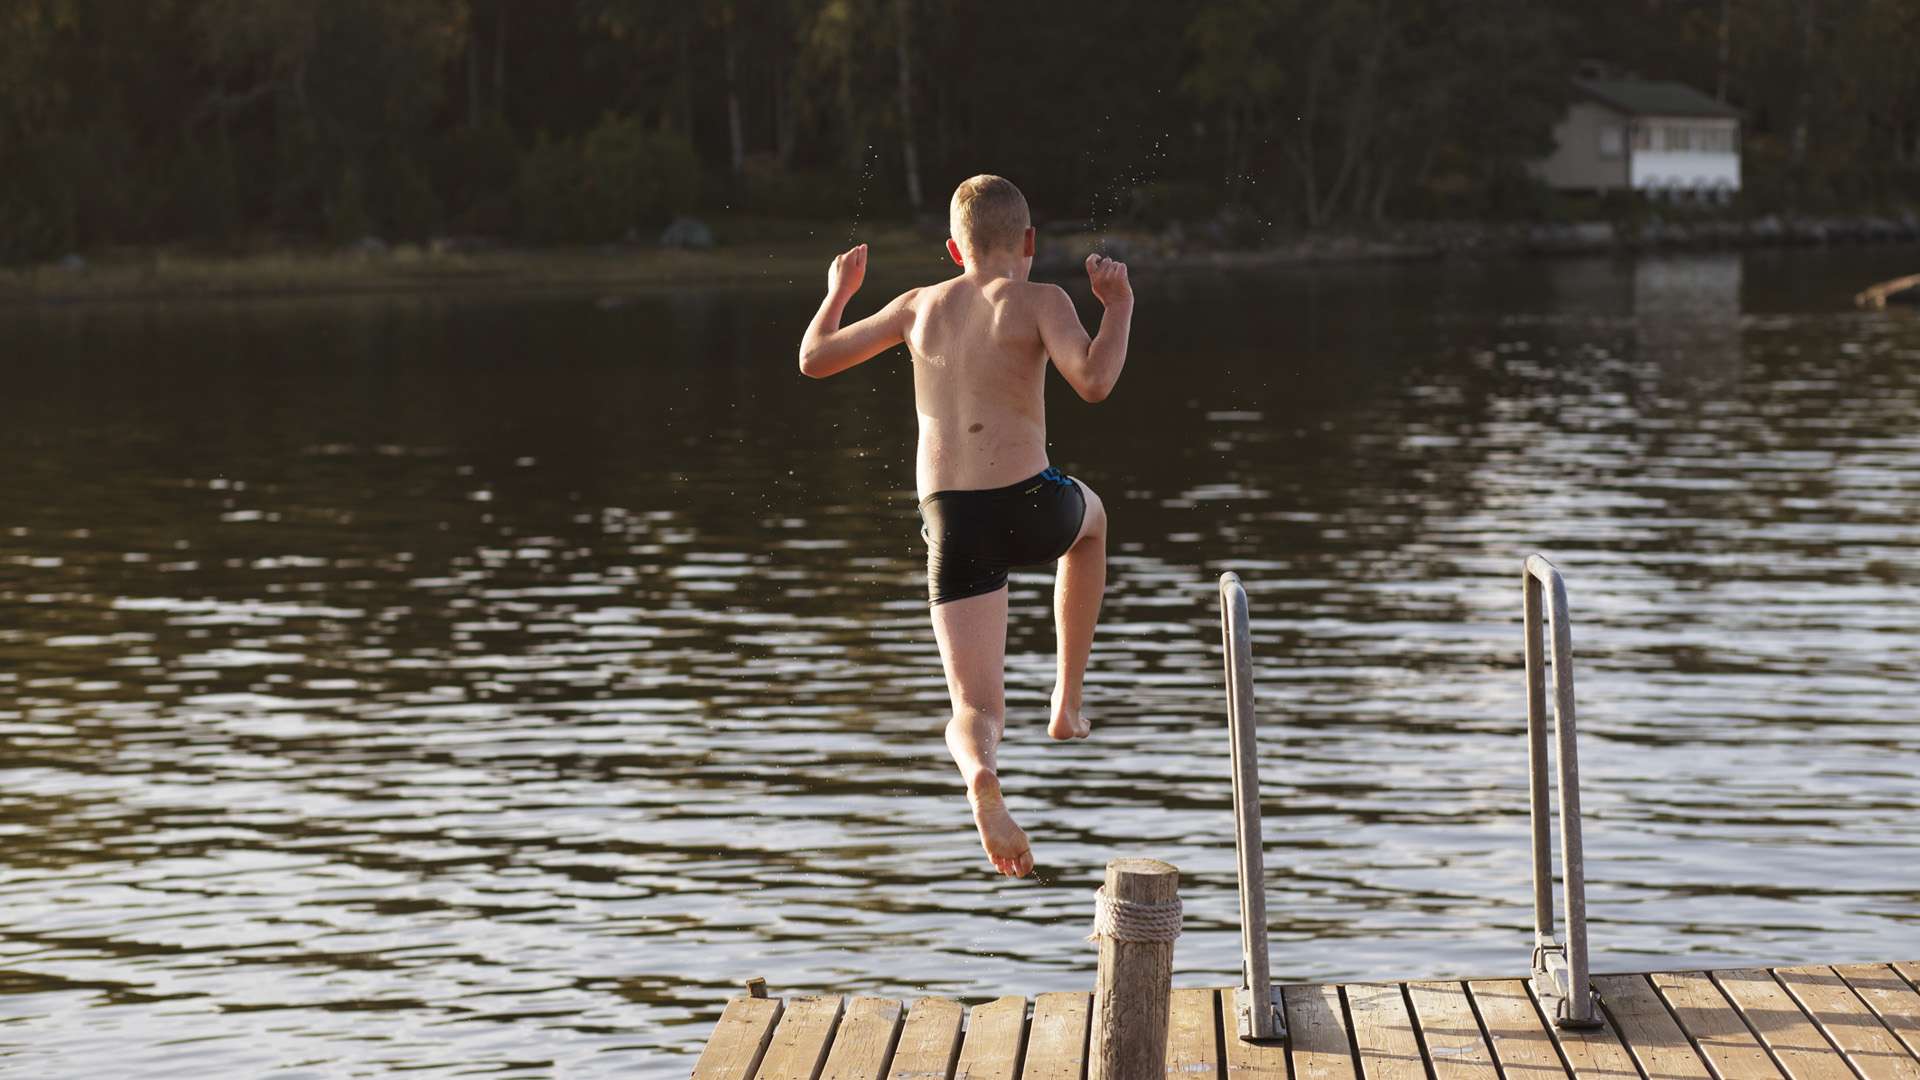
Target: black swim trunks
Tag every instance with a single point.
(973, 537)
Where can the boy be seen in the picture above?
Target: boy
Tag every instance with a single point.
(980, 344)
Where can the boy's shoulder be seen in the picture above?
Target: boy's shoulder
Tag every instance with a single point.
(1041, 300)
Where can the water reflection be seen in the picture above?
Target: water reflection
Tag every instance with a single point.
(475, 685)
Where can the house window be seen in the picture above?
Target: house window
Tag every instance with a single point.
(1643, 136)
(1679, 138)
(1612, 141)
(1718, 140)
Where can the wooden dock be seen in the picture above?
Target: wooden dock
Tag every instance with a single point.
(1848, 1022)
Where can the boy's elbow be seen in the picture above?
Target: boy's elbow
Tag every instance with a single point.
(810, 365)
(1096, 392)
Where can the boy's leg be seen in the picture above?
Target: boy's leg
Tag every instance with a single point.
(1078, 585)
(973, 645)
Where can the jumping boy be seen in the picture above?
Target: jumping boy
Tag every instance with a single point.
(989, 500)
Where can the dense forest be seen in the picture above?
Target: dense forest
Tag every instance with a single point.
(238, 123)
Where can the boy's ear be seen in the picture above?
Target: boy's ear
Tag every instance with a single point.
(953, 252)
(1028, 249)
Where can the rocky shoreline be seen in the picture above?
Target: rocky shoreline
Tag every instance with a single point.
(1208, 246)
(372, 267)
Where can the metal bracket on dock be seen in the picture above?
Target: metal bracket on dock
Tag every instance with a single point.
(1244, 1008)
(1559, 970)
(1256, 978)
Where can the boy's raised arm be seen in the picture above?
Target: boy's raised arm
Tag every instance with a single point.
(827, 348)
(1091, 366)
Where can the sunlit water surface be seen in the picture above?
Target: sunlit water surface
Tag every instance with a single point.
(486, 686)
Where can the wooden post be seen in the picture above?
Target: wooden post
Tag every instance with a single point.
(1135, 979)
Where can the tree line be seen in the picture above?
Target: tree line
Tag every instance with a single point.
(231, 123)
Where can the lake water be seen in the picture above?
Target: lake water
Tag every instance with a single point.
(486, 686)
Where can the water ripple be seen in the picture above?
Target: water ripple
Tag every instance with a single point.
(401, 697)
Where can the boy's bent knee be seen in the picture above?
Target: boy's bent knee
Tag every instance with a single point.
(1095, 522)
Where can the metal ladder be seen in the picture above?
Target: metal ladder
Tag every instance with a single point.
(1559, 971)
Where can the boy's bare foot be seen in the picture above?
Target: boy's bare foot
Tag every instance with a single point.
(1067, 722)
(1005, 842)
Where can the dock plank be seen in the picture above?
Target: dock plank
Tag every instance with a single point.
(1770, 1011)
(800, 1043)
(996, 1036)
(1057, 1041)
(1193, 1034)
(1648, 1030)
(1848, 1023)
(739, 1040)
(1715, 1027)
(1317, 1030)
(929, 1043)
(1516, 1032)
(1250, 1061)
(865, 1043)
(1383, 1031)
(1600, 1054)
(1450, 1033)
(1890, 997)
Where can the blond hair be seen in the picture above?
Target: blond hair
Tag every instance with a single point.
(988, 214)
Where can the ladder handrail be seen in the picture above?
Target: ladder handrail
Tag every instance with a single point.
(1560, 974)
(1255, 1001)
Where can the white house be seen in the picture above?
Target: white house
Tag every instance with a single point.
(1655, 137)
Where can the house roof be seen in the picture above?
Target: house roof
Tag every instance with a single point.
(1636, 97)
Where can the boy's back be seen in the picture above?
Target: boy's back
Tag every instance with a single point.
(979, 375)
(989, 500)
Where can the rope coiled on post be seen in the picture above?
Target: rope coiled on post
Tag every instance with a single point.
(1131, 920)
